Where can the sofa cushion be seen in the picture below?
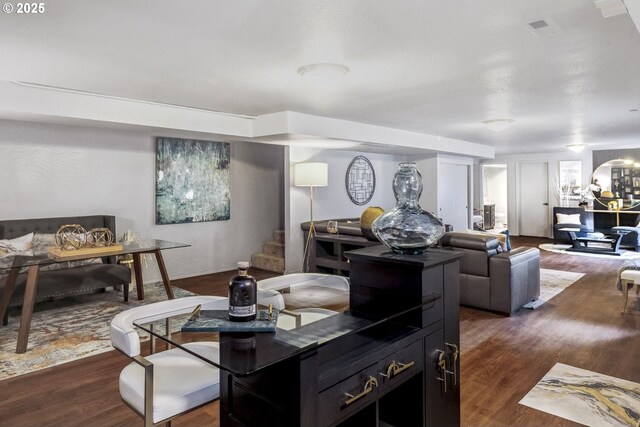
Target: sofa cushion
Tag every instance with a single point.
(476, 240)
(568, 219)
(477, 248)
(19, 244)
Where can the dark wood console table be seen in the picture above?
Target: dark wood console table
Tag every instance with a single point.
(391, 359)
(327, 252)
(604, 220)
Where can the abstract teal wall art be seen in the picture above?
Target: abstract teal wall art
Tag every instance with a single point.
(192, 181)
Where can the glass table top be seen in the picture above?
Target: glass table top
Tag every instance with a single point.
(245, 353)
(30, 258)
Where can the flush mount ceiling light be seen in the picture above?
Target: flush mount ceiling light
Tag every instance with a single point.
(576, 148)
(324, 72)
(609, 8)
(498, 125)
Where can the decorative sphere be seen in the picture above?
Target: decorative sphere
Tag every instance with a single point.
(70, 237)
(100, 237)
(366, 219)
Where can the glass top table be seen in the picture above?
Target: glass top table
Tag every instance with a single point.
(30, 258)
(31, 263)
(245, 353)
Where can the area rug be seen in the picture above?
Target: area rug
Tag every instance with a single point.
(69, 329)
(562, 249)
(586, 397)
(552, 282)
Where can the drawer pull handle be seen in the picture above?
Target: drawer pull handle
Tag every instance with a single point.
(395, 368)
(369, 386)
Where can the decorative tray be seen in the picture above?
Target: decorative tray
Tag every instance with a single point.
(218, 321)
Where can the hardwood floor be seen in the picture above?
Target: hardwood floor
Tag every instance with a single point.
(502, 357)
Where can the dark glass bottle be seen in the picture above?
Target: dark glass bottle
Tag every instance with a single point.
(243, 292)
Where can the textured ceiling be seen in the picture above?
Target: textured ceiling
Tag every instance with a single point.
(437, 67)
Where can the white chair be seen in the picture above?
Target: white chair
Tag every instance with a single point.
(270, 291)
(628, 278)
(169, 383)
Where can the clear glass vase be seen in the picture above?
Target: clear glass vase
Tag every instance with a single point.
(407, 228)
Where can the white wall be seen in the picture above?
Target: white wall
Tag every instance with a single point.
(435, 191)
(331, 201)
(428, 168)
(57, 170)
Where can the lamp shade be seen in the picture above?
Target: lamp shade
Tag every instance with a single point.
(311, 174)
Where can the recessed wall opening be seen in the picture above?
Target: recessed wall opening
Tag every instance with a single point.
(494, 197)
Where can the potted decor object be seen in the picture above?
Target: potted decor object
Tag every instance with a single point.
(407, 228)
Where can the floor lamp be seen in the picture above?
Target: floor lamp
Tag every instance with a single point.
(310, 175)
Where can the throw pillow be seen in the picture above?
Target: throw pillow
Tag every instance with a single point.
(19, 244)
(568, 218)
(507, 240)
(42, 242)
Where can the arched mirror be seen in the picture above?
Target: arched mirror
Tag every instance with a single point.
(616, 185)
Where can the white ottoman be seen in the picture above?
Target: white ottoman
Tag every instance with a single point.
(628, 278)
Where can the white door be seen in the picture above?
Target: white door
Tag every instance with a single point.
(453, 195)
(534, 199)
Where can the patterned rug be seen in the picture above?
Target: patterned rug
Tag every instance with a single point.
(586, 397)
(552, 282)
(68, 329)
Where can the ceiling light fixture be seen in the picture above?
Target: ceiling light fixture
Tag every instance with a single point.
(576, 148)
(497, 125)
(609, 8)
(324, 72)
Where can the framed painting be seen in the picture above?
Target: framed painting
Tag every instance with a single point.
(192, 181)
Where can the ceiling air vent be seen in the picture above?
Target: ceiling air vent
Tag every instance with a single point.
(542, 27)
(538, 24)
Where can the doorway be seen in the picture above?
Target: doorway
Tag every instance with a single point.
(494, 212)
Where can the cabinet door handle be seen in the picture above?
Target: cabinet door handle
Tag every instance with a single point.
(454, 358)
(442, 366)
(369, 386)
(395, 368)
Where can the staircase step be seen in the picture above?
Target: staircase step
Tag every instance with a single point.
(278, 236)
(273, 248)
(267, 262)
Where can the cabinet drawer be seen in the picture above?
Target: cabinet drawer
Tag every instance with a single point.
(400, 366)
(432, 287)
(333, 403)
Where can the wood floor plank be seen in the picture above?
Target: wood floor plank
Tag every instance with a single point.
(502, 357)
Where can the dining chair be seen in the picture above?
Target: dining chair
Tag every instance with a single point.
(169, 383)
